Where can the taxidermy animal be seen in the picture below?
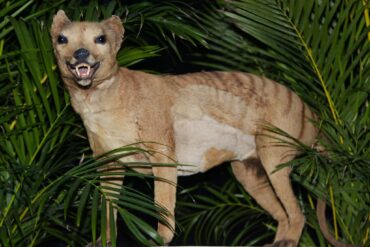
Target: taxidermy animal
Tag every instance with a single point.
(201, 119)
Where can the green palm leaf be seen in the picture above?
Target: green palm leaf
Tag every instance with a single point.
(221, 215)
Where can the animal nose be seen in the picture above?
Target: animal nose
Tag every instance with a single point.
(81, 54)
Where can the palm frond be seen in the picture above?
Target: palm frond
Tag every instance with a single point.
(221, 215)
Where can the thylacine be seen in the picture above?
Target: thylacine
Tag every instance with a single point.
(202, 119)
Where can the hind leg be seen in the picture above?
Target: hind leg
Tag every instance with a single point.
(271, 156)
(252, 176)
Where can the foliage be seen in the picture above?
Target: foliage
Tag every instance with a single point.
(222, 215)
(321, 50)
(50, 185)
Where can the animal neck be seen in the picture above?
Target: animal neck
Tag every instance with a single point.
(91, 99)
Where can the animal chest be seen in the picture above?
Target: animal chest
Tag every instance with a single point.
(109, 129)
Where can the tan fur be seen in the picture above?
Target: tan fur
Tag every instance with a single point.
(204, 118)
(214, 156)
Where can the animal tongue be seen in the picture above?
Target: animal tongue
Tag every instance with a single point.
(83, 70)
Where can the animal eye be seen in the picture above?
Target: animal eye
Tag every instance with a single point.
(62, 39)
(101, 39)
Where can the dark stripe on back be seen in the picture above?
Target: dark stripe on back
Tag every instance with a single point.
(252, 82)
(276, 89)
(289, 101)
(303, 120)
(237, 80)
(262, 89)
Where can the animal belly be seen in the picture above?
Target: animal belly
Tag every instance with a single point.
(203, 143)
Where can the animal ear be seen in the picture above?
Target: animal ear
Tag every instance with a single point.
(115, 25)
(59, 21)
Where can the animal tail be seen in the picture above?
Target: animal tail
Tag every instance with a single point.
(320, 213)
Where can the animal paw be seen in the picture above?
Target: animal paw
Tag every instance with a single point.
(166, 233)
(285, 243)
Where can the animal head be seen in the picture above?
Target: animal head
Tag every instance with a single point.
(86, 51)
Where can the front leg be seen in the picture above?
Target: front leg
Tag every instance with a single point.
(165, 194)
(158, 137)
(107, 184)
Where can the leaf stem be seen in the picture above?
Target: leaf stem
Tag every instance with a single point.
(11, 201)
(318, 73)
(367, 20)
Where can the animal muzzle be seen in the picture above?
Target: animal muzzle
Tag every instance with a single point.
(83, 67)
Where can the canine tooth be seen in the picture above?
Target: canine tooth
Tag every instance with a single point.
(80, 68)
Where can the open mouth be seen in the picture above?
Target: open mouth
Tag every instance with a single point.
(83, 71)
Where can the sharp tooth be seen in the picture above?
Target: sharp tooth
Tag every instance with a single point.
(77, 71)
(86, 67)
